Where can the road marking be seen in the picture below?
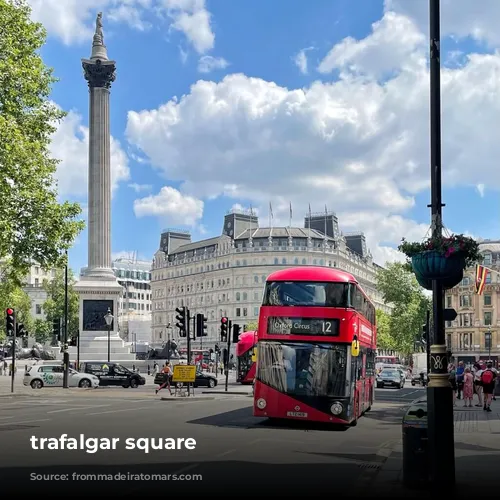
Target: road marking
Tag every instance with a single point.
(224, 453)
(77, 408)
(184, 469)
(117, 411)
(5, 418)
(28, 421)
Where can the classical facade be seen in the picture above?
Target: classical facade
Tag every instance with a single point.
(33, 286)
(225, 275)
(475, 334)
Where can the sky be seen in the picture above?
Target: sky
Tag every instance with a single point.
(220, 105)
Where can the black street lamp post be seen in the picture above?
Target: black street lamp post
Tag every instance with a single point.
(108, 317)
(439, 392)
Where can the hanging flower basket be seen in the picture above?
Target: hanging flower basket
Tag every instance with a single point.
(441, 259)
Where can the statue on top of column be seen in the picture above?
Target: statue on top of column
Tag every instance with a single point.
(98, 27)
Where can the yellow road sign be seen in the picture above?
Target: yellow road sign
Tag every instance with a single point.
(184, 373)
(254, 355)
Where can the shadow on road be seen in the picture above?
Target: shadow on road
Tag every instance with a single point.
(243, 418)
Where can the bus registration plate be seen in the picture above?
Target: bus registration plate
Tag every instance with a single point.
(299, 414)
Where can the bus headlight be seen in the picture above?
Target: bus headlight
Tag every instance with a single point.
(336, 408)
(261, 403)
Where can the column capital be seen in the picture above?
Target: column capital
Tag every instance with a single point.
(98, 73)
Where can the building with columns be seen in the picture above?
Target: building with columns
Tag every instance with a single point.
(475, 334)
(225, 275)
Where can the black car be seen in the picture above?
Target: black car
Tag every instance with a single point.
(114, 374)
(202, 379)
(390, 378)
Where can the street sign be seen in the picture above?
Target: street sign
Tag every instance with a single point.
(450, 314)
(185, 374)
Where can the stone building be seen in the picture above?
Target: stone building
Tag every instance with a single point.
(225, 275)
(475, 334)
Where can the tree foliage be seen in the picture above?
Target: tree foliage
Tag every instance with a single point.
(55, 303)
(252, 326)
(12, 295)
(42, 331)
(34, 226)
(400, 289)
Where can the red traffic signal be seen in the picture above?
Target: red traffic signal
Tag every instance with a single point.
(223, 320)
(10, 311)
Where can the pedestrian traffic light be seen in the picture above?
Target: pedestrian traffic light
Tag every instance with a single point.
(21, 331)
(224, 323)
(10, 321)
(181, 320)
(56, 329)
(217, 349)
(201, 325)
(236, 333)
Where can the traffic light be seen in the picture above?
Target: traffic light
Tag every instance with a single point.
(236, 333)
(56, 329)
(224, 323)
(201, 325)
(10, 321)
(21, 331)
(217, 349)
(181, 320)
(244, 328)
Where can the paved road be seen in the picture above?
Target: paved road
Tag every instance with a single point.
(234, 450)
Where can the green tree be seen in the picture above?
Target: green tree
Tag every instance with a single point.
(42, 331)
(400, 288)
(34, 226)
(54, 305)
(384, 338)
(252, 326)
(12, 295)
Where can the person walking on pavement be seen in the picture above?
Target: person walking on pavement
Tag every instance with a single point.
(468, 388)
(476, 371)
(168, 374)
(460, 378)
(488, 382)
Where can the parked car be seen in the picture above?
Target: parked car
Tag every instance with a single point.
(39, 376)
(114, 374)
(419, 379)
(202, 379)
(391, 378)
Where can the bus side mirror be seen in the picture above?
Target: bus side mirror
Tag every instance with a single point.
(355, 348)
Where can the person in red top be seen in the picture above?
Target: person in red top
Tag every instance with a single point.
(168, 375)
(488, 382)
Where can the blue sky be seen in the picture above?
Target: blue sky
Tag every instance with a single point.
(223, 104)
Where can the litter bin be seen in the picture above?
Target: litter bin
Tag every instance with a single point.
(415, 451)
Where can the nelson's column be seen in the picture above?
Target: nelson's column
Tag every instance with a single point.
(98, 287)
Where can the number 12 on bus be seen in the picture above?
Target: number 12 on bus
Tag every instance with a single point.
(317, 342)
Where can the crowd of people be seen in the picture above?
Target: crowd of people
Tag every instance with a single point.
(477, 380)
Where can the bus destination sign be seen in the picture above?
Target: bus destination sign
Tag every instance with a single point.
(303, 326)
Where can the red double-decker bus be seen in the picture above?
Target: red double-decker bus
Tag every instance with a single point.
(244, 353)
(316, 347)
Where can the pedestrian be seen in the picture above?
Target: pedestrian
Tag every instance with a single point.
(460, 378)
(168, 373)
(488, 383)
(155, 369)
(453, 383)
(468, 388)
(477, 384)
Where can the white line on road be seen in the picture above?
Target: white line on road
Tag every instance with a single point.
(77, 408)
(117, 411)
(28, 421)
(224, 453)
(184, 469)
(5, 418)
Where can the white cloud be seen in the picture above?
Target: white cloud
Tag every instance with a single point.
(73, 21)
(459, 18)
(480, 189)
(138, 188)
(300, 60)
(70, 145)
(207, 64)
(193, 19)
(359, 144)
(128, 254)
(171, 205)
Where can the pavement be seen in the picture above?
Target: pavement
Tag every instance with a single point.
(234, 450)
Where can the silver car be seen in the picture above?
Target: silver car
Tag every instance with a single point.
(39, 376)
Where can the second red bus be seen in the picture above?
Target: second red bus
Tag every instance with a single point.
(245, 349)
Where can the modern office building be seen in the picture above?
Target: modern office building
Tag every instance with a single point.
(225, 275)
(475, 333)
